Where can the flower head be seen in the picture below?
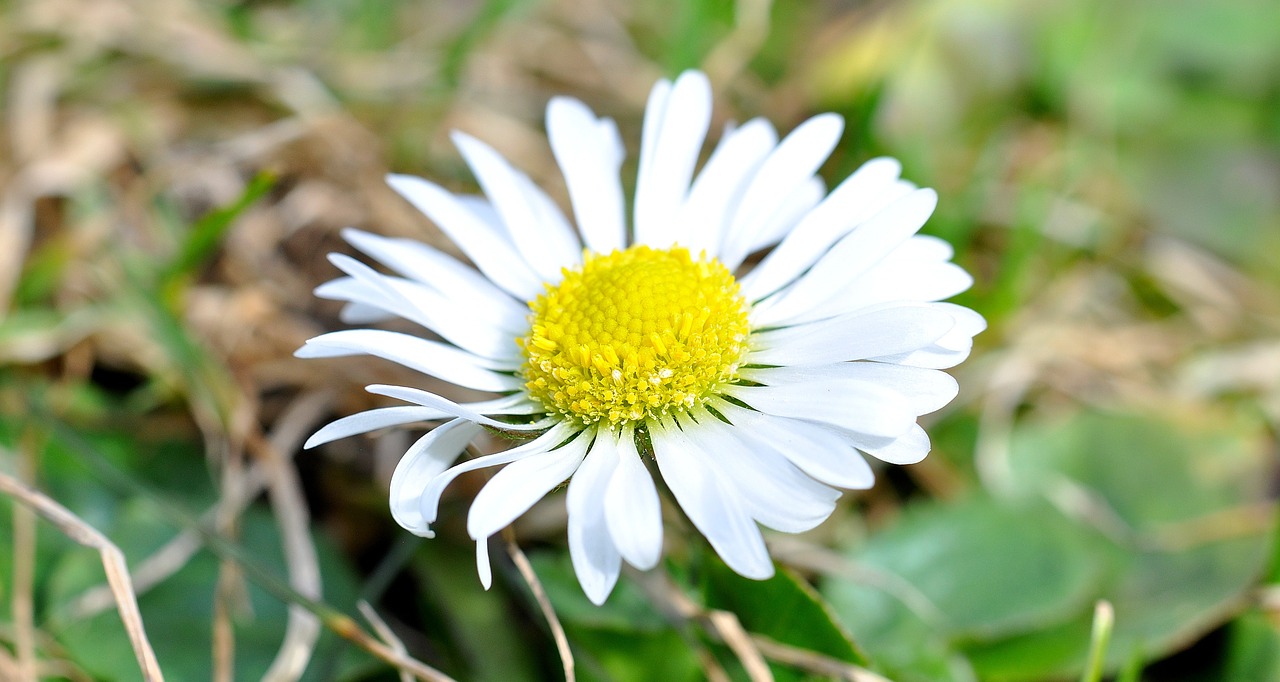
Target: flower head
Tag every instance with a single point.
(755, 390)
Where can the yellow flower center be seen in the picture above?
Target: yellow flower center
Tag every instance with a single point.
(634, 334)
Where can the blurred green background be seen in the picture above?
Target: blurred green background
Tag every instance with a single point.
(173, 172)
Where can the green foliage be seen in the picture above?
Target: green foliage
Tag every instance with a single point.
(179, 611)
(1007, 584)
(205, 236)
(1253, 648)
(485, 640)
(784, 608)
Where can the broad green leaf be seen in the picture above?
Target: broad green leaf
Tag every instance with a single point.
(1162, 601)
(988, 569)
(1173, 491)
(633, 656)
(783, 608)
(627, 608)
(1148, 470)
(974, 570)
(1253, 648)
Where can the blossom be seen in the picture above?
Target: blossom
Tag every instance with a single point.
(756, 391)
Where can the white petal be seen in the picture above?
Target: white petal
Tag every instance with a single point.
(925, 248)
(797, 206)
(631, 505)
(465, 410)
(952, 348)
(675, 126)
(359, 313)
(424, 355)
(429, 456)
(855, 336)
(491, 250)
(512, 491)
(372, 420)
(429, 503)
(930, 357)
(873, 410)
(896, 281)
(654, 112)
(968, 325)
(595, 557)
(718, 513)
(424, 264)
(483, 567)
(445, 315)
(775, 492)
(554, 225)
(926, 390)
(821, 453)
(590, 154)
(909, 448)
(868, 191)
(791, 164)
(706, 214)
(545, 244)
(849, 258)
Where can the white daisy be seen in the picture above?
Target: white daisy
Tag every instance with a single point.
(755, 390)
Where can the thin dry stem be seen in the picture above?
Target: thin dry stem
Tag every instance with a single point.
(24, 556)
(230, 588)
(148, 573)
(234, 557)
(224, 639)
(814, 662)
(287, 500)
(175, 553)
(750, 648)
(24, 568)
(539, 594)
(730, 630)
(351, 631)
(9, 669)
(384, 631)
(113, 563)
(721, 625)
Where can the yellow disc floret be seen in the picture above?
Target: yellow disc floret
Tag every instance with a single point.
(634, 334)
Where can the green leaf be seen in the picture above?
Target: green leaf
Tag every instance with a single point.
(206, 234)
(1163, 601)
(486, 19)
(484, 639)
(974, 570)
(1159, 524)
(178, 613)
(638, 656)
(989, 569)
(1173, 491)
(1253, 648)
(783, 608)
(1148, 470)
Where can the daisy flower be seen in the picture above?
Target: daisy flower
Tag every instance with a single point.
(755, 391)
